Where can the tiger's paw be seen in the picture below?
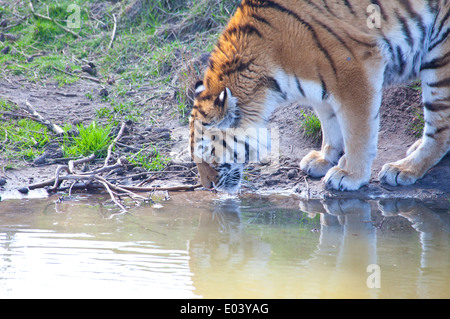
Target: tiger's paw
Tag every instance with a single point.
(396, 174)
(340, 179)
(315, 165)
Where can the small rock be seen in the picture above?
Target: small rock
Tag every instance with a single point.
(40, 160)
(271, 182)
(103, 92)
(6, 49)
(204, 58)
(160, 129)
(164, 136)
(111, 80)
(23, 190)
(2, 181)
(77, 122)
(292, 173)
(88, 69)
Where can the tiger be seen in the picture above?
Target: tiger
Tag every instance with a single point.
(336, 56)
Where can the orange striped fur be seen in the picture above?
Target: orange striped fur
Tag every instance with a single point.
(336, 56)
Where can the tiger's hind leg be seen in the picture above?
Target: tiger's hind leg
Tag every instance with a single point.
(435, 142)
(317, 163)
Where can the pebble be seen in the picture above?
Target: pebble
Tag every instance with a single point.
(23, 190)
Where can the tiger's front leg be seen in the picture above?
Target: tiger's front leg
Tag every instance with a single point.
(317, 163)
(435, 142)
(359, 123)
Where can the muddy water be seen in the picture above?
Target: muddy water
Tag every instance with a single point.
(201, 245)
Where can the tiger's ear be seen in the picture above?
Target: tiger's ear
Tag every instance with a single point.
(199, 88)
(228, 103)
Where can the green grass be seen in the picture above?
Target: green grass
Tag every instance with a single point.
(310, 125)
(93, 139)
(21, 139)
(418, 123)
(24, 139)
(150, 160)
(146, 48)
(151, 54)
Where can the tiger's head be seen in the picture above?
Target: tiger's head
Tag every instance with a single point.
(214, 141)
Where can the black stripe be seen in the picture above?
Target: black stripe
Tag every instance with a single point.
(324, 88)
(439, 84)
(275, 86)
(438, 131)
(328, 8)
(442, 39)
(391, 49)
(247, 151)
(203, 97)
(377, 116)
(237, 66)
(370, 45)
(200, 111)
(273, 5)
(299, 87)
(262, 20)
(436, 63)
(416, 17)
(436, 107)
(401, 61)
(405, 28)
(243, 29)
(441, 26)
(442, 129)
(383, 14)
(338, 38)
(349, 6)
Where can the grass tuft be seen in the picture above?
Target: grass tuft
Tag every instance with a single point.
(310, 125)
(94, 138)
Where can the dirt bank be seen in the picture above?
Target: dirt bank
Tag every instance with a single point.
(70, 103)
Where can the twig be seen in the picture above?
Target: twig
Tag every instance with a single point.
(113, 35)
(83, 160)
(115, 191)
(78, 75)
(119, 135)
(55, 128)
(154, 188)
(37, 15)
(307, 187)
(11, 114)
(124, 210)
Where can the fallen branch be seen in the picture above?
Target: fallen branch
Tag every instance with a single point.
(113, 32)
(31, 114)
(53, 127)
(119, 135)
(95, 179)
(81, 76)
(113, 198)
(37, 15)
